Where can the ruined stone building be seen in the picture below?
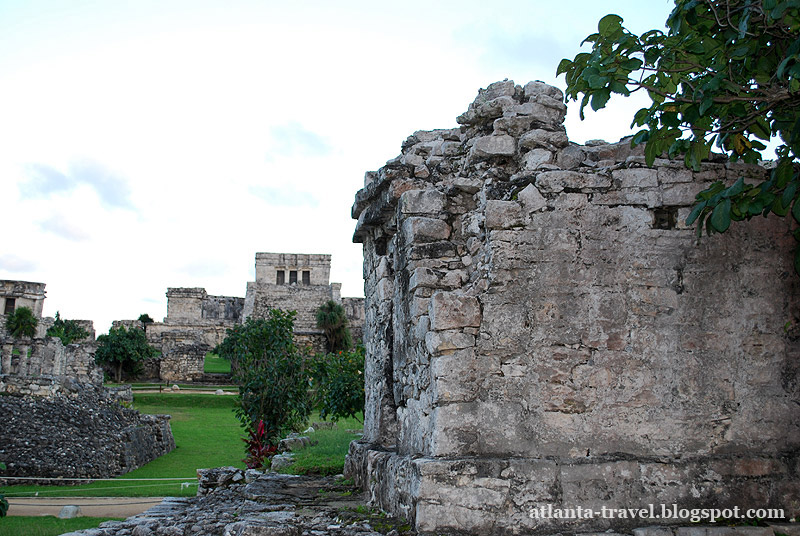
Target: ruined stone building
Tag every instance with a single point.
(58, 419)
(196, 322)
(543, 329)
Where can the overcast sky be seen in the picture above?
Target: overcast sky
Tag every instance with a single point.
(155, 144)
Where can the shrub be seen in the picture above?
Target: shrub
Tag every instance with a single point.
(22, 323)
(122, 348)
(339, 379)
(66, 330)
(270, 373)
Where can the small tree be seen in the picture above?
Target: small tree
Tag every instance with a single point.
(66, 330)
(22, 323)
(145, 319)
(123, 349)
(273, 385)
(332, 319)
(339, 379)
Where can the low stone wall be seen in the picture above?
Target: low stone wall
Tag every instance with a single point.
(82, 434)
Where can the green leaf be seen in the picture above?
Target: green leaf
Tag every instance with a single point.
(609, 24)
(796, 211)
(564, 66)
(600, 98)
(797, 260)
(788, 194)
(721, 217)
(695, 213)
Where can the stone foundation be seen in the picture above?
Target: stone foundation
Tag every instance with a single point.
(543, 329)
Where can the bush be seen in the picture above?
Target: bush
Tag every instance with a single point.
(22, 323)
(123, 349)
(270, 372)
(66, 330)
(339, 379)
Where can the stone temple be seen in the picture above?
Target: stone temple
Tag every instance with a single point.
(543, 330)
(196, 321)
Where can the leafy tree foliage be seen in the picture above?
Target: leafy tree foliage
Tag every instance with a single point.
(123, 349)
(145, 319)
(22, 323)
(270, 372)
(66, 330)
(725, 74)
(339, 380)
(332, 319)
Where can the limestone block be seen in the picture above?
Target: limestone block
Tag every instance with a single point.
(636, 178)
(515, 125)
(452, 148)
(449, 311)
(557, 181)
(69, 512)
(531, 199)
(495, 107)
(503, 214)
(424, 277)
(652, 531)
(672, 175)
(412, 159)
(534, 159)
(442, 341)
(489, 146)
(544, 138)
(422, 202)
(570, 157)
(506, 88)
(421, 171)
(421, 229)
(542, 114)
(536, 87)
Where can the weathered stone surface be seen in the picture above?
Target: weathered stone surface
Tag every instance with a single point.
(449, 310)
(265, 505)
(488, 146)
(592, 353)
(502, 214)
(78, 435)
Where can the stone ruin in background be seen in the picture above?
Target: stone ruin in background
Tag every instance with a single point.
(543, 329)
(58, 419)
(196, 322)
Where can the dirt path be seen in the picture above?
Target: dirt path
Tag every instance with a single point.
(90, 506)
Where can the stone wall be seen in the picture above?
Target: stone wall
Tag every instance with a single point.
(542, 329)
(80, 434)
(354, 309)
(59, 421)
(182, 357)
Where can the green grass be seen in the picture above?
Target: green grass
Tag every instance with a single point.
(47, 525)
(206, 433)
(215, 364)
(327, 456)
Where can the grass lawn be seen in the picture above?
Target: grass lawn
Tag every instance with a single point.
(216, 364)
(206, 433)
(47, 525)
(327, 456)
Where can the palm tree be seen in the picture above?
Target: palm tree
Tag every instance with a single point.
(22, 323)
(332, 319)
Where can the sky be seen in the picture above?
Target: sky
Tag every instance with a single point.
(162, 143)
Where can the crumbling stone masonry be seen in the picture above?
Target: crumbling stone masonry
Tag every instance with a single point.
(542, 329)
(59, 421)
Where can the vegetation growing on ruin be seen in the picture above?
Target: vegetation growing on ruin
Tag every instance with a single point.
(123, 350)
(68, 331)
(22, 323)
(332, 319)
(725, 74)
